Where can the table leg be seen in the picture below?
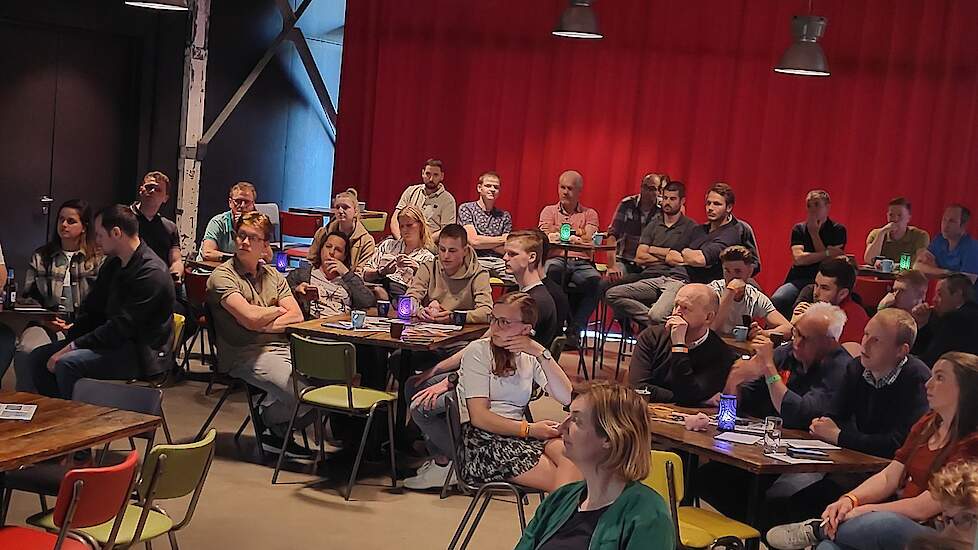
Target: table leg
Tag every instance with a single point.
(753, 507)
(691, 463)
(404, 371)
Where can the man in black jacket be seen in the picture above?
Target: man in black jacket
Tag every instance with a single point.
(125, 327)
(951, 324)
(683, 361)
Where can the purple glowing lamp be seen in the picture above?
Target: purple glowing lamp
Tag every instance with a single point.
(281, 262)
(405, 307)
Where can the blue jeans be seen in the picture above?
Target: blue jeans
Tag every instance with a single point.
(432, 422)
(876, 531)
(784, 297)
(587, 282)
(102, 364)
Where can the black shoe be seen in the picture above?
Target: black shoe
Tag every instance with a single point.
(273, 444)
(573, 342)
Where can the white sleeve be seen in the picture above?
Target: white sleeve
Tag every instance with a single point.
(1, 256)
(475, 371)
(539, 376)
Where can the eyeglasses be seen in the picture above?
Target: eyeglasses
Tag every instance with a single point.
(250, 238)
(502, 321)
(242, 202)
(964, 520)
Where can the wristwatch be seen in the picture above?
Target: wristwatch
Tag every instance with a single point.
(545, 356)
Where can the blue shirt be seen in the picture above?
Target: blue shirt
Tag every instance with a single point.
(963, 259)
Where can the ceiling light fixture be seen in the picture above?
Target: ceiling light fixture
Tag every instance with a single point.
(168, 5)
(578, 21)
(805, 57)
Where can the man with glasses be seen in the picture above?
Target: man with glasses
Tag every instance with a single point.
(218, 243)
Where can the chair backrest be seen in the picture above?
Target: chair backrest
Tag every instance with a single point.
(118, 396)
(375, 225)
(178, 323)
(299, 225)
(557, 347)
(271, 210)
(196, 285)
(92, 496)
(453, 419)
(666, 478)
(324, 360)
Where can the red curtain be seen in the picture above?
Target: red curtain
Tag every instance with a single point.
(680, 87)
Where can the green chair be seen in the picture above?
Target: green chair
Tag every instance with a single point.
(375, 224)
(169, 472)
(335, 364)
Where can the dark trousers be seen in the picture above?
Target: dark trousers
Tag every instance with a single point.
(103, 364)
(727, 488)
(8, 345)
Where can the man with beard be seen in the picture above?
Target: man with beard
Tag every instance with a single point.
(431, 197)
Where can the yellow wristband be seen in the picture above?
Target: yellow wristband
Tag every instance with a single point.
(852, 498)
(524, 429)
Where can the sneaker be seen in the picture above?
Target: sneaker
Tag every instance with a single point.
(273, 444)
(794, 536)
(429, 476)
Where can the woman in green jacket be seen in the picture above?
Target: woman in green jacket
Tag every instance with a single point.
(607, 437)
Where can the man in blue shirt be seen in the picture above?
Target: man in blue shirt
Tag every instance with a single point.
(953, 251)
(218, 243)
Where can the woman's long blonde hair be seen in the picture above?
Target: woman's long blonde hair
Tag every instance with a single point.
(415, 213)
(504, 361)
(620, 415)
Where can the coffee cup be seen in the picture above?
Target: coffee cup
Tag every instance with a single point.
(739, 333)
(358, 318)
(458, 318)
(597, 238)
(397, 329)
(383, 308)
(886, 265)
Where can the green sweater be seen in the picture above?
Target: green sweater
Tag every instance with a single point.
(638, 519)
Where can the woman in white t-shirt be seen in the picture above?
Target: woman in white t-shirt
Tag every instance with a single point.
(495, 385)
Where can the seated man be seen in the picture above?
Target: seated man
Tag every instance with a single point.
(953, 251)
(577, 267)
(158, 232)
(218, 242)
(683, 361)
(740, 300)
(487, 226)
(454, 281)
(523, 256)
(909, 291)
(658, 253)
(431, 197)
(251, 305)
(833, 285)
(722, 230)
(125, 326)
(951, 324)
(881, 397)
(633, 215)
(812, 241)
(897, 238)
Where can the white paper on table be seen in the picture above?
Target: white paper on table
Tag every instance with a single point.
(734, 437)
(792, 460)
(16, 411)
(810, 444)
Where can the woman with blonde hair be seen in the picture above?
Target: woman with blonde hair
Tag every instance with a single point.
(955, 488)
(346, 218)
(607, 437)
(395, 261)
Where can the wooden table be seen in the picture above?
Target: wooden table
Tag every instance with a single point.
(316, 328)
(60, 427)
(751, 458)
(18, 319)
(328, 212)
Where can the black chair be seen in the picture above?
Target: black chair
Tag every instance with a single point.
(483, 492)
(255, 396)
(556, 349)
(44, 479)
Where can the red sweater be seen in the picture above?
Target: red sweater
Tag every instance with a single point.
(919, 460)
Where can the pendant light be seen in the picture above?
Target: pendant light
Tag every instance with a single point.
(168, 5)
(578, 21)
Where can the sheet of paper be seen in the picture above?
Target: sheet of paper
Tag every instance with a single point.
(734, 437)
(16, 411)
(810, 444)
(792, 460)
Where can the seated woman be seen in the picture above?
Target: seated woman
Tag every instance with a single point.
(607, 437)
(327, 285)
(60, 273)
(346, 218)
(495, 384)
(887, 510)
(397, 260)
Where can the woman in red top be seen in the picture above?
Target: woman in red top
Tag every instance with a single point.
(886, 510)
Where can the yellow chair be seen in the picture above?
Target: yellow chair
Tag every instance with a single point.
(375, 225)
(178, 323)
(697, 527)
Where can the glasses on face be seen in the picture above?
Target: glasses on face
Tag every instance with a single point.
(244, 237)
(503, 322)
(964, 521)
(242, 202)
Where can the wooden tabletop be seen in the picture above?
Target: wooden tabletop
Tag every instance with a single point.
(327, 211)
(60, 427)
(751, 457)
(315, 327)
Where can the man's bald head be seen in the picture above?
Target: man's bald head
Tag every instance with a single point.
(573, 177)
(697, 304)
(569, 187)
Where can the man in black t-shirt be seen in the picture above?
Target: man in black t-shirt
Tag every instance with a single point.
(812, 241)
(159, 233)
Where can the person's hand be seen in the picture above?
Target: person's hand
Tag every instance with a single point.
(741, 372)
(674, 258)
(737, 288)
(405, 262)
(835, 514)
(176, 272)
(435, 306)
(544, 430)
(335, 266)
(58, 355)
(422, 377)
(58, 325)
(754, 330)
(813, 225)
(921, 314)
(763, 350)
(521, 343)
(614, 274)
(425, 314)
(887, 230)
(301, 289)
(677, 328)
(441, 316)
(859, 510)
(826, 429)
(833, 251)
(574, 239)
(426, 398)
(713, 401)
(800, 310)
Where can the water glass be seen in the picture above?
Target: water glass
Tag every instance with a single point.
(772, 434)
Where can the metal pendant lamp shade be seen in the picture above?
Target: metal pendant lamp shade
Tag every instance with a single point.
(169, 5)
(805, 56)
(578, 21)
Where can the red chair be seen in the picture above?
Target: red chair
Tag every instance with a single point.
(872, 291)
(86, 497)
(195, 284)
(297, 225)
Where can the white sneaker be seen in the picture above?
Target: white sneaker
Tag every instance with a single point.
(794, 536)
(429, 476)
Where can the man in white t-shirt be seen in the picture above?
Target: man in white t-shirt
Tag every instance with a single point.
(740, 300)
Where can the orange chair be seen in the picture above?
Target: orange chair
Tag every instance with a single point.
(87, 497)
(872, 291)
(297, 225)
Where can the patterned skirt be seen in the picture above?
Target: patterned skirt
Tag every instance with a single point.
(494, 457)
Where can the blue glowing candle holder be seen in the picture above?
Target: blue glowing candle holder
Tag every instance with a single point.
(404, 308)
(281, 261)
(727, 416)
